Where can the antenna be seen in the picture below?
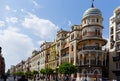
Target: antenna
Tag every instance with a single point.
(92, 4)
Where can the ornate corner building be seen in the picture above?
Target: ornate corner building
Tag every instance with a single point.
(82, 46)
(115, 45)
(2, 63)
(91, 57)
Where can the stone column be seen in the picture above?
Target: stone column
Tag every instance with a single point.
(75, 52)
(102, 58)
(96, 58)
(83, 59)
(89, 58)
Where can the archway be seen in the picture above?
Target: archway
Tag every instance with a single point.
(96, 72)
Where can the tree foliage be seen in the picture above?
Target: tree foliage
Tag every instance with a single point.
(42, 71)
(19, 73)
(67, 68)
(28, 73)
(46, 71)
(35, 72)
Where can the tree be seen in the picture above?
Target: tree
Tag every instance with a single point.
(34, 74)
(48, 71)
(67, 68)
(28, 73)
(20, 73)
(42, 71)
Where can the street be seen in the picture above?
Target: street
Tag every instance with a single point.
(11, 78)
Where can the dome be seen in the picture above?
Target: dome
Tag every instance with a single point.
(92, 11)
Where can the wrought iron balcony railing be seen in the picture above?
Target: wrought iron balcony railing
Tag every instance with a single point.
(116, 58)
(90, 48)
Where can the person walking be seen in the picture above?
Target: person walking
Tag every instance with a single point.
(4, 77)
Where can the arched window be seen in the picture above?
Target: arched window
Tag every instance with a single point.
(72, 36)
(118, 15)
(97, 31)
(72, 48)
(84, 32)
(97, 20)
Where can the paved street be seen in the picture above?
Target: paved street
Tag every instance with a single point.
(12, 79)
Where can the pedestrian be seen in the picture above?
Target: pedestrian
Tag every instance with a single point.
(56, 78)
(85, 79)
(5, 77)
(23, 78)
(14, 77)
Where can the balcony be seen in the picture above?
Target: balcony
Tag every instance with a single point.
(116, 58)
(66, 54)
(116, 72)
(116, 19)
(90, 48)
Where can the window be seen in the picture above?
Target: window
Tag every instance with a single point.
(84, 32)
(118, 26)
(97, 31)
(118, 36)
(117, 65)
(72, 36)
(72, 48)
(118, 15)
(111, 30)
(84, 21)
(97, 20)
(93, 20)
(118, 46)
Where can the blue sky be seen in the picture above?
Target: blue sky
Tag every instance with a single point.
(25, 24)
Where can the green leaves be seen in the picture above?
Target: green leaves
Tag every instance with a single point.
(67, 68)
(42, 71)
(28, 73)
(35, 72)
(47, 71)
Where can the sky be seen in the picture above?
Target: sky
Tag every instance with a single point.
(25, 24)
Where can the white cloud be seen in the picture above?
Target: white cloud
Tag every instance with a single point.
(2, 23)
(35, 3)
(45, 29)
(40, 42)
(7, 7)
(12, 19)
(16, 46)
(14, 29)
(69, 23)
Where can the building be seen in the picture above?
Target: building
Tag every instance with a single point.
(115, 45)
(34, 61)
(2, 63)
(91, 57)
(52, 56)
(20, 66)
(81, 46)
(12, 69)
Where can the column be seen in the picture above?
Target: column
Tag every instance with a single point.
(89, 58)
(60, 58)
(102, 58)
(105, 57)
(75, 52)
(83, 59)
(96, 58)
